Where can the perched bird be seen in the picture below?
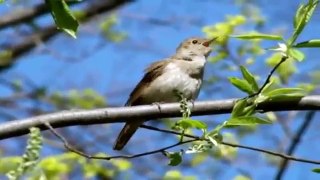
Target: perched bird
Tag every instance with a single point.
(182, 72)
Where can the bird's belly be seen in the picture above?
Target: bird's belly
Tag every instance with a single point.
(163, 88)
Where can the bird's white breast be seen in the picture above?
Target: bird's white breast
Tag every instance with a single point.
(173, 78)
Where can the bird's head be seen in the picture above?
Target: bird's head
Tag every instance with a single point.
(195, 46)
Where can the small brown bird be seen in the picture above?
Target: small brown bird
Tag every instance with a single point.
(183, 72)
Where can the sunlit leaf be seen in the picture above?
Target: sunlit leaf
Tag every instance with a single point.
(241, 84)
(241, 177)
(299, 14)
(256, 35)
(172, 175)
(302, 17)
(287, 91)
(313, 43)
(296, 54)
(250, 78)
(215, 132)
(63, 17)
(238, 108)
(122, 164)
(247, 120)
(191, 123)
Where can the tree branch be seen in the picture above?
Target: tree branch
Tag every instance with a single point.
(124, 114)
(72, 149)
(46, 33)
(266, 82)
(295, 141)
(284, 156)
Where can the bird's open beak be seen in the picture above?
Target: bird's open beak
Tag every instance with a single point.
(207, 43)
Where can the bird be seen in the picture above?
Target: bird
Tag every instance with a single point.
(182, 72)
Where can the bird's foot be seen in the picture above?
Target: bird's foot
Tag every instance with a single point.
(158, 105)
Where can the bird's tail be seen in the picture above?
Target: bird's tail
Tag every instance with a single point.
(126, 133)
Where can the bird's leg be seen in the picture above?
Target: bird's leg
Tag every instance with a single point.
(192, 102)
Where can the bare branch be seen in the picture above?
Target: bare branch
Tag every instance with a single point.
(124, 114)
(284, 156)
(72, 149)
(295, 141)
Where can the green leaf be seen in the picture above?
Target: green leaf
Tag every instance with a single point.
(241, 177)
(298, 16)
(296, 54)
(191, 123)
(256, 35)
(247, 120)
(175, 158)
(241, 84)
(63, 17)
(239, 107)
(302, 17)
(268, 86)
(250, 78)
(172, 175)
(31, 155)
(287, 91)
(313, 43)
(316, 170)
(215, 132)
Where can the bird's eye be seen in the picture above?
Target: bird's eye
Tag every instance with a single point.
(194, 42)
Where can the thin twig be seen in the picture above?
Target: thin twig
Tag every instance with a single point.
(284, 156)
(72, 149)
(283, 59)
(295, 141)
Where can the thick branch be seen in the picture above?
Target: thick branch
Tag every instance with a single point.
(122, 114)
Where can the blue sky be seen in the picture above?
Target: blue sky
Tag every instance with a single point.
(113, 69)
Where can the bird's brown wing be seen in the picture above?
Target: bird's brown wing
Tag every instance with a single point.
(151, 73)
(136, 98)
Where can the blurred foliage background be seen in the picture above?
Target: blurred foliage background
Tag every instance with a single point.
(45, 70)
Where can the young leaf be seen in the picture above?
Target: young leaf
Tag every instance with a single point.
(268, 86)
(215, 132)
(287, 91)
(191, 123)
(249, 110)
(63, 17)
(302, 17)
(247, 120)
(250, 78)
(296, 54)
(299, 13)
(241, 84)
(313, 43)
(256, 35)
(199, 148)
(238, 108)
(175, 158)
